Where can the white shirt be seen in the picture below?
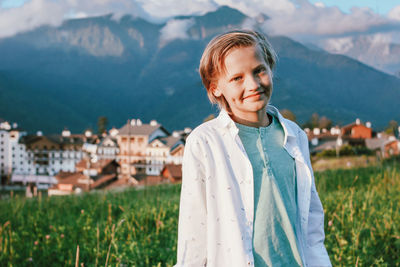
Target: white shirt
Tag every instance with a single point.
(217, 201)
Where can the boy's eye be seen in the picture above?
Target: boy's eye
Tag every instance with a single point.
(260, 70)
(237, 78)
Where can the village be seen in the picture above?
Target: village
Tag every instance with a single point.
(139, 154)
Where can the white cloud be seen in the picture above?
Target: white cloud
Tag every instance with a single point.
(338, 45)
(309, 19)
(35, 13)
(29, 16)
(175, 29)
(394, 13)
(319, 4)
(170, 8)
(294, 18)
(255, 7)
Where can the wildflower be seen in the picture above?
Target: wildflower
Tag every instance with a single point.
(36, 243)
(330, 223)
(51, 226)
(82, 211)
(62, 235)
(47, 236)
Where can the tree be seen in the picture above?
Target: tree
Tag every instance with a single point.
(392, 127)
(286, 113)
(102, 124)
(324, 122)
(312, 122)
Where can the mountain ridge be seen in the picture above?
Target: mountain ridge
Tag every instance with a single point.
(53, 77)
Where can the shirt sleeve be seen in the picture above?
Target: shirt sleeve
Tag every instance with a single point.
(315, 251)
(192, 228)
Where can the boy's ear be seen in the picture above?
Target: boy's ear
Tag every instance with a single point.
(214, 89)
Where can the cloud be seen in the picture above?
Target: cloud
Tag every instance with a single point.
(298, 19)
(35, 13)
(29, 16)
(255, 7)
(319, 4)
(394, 13)
(175, 29)
(169, 8)
(308, 19)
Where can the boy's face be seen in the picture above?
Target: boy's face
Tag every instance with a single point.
(246, 84)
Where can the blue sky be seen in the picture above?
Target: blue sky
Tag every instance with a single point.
(11, 3)
(378, 6)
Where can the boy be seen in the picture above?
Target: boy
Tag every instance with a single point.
(248, 195)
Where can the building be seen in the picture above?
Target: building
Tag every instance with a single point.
(89, 175)
(323, 139)
(42, 157)
(48, 155)
(164, 150)
(12, 153)
(133, 139)
(172, 172)
(384, 146)
(105, 147)
(357, 130)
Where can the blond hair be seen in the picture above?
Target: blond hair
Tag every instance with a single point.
(212, 63)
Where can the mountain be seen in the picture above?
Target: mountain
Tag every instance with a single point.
(377, 50)
(68, 76)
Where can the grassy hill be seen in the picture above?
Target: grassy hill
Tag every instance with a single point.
(139, 227)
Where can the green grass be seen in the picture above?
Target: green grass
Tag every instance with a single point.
(139, 227)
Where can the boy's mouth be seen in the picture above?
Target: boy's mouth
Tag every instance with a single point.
(258, 94)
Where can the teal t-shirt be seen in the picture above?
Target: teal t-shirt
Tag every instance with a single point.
(275, 194)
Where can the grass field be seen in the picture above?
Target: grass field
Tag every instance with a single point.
(139, 227)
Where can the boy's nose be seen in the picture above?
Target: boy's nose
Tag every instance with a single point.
(252, 83)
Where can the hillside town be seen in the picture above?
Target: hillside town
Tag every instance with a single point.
(139, 154)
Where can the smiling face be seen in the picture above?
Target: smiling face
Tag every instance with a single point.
(246, 83)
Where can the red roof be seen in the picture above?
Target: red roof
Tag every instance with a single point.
(103, 179)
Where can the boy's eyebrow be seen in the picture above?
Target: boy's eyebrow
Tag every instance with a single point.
(234, 75)
(260, 66)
